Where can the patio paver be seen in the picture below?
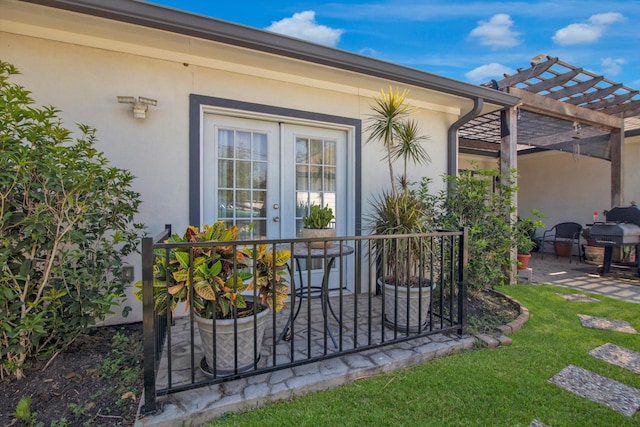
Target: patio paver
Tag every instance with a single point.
(578, 297)
(619, 356)
(619, 397)
(606, 324)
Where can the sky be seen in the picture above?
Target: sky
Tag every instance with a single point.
(470, 41)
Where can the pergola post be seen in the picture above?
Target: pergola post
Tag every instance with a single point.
(509, 161)
(616, 143)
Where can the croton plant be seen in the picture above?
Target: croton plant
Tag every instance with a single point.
(221, 274)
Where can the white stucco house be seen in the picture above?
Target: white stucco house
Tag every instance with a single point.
(296, 111)
(281, 99)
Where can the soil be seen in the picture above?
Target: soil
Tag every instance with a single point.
(82, 386)
(72, 390)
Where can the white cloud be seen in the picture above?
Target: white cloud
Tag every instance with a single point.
(369, 51)
(606, 18)
(612, 67)
(488, 72)
(497, 32)
(587, 32)
(303, 25)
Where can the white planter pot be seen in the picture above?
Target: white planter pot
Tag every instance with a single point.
(418, 300)
(225, 347)
(308, 233)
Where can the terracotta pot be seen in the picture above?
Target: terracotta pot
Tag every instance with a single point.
(562, 249)
(325, 233)
(225, 347)
(523, 261)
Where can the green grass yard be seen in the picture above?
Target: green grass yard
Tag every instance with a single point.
(505, 386)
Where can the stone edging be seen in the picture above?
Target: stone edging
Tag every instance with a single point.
(509, 328)
(516, 324)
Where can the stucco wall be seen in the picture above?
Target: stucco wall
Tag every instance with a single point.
(84, 82)
(563, 188)
(631, 183)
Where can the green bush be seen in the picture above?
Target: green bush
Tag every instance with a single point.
(479, 199)
(65, 227)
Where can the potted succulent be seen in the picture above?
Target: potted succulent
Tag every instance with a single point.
(221, 275)
(316, 225)
(400, 211)
(525, 231)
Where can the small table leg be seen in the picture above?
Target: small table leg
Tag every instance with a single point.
(299, 293)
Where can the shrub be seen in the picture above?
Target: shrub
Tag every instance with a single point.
(479, 199)
(65, 227)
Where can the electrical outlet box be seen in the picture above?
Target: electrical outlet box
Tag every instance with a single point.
(127, 271)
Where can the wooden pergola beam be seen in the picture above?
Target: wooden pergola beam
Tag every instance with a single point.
(553, 82)
(476, 144)
(524, 75)
(632, 112)
(592, 96)
(577, 88)
(627, 107)
(563, 110)
(611, 102)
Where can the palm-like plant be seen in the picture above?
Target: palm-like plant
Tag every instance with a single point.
(398, 211)
(390, 110)
(409, 148)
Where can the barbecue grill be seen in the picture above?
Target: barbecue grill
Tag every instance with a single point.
(621, 228)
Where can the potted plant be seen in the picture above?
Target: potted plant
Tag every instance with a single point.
(525, 237)
(214, 287)
(316, 225)
(400, 211)
(593, 252)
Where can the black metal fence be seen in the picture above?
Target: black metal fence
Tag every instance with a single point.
(344, 298)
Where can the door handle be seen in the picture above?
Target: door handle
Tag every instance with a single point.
(276, 219)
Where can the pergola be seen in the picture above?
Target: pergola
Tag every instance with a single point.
(562, 108)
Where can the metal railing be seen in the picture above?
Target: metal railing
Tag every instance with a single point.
(342, 299)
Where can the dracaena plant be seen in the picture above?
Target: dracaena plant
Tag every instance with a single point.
(220, 274)
(398, 211)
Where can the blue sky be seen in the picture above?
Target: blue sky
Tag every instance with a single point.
(472, 41)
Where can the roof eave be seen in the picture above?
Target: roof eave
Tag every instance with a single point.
(167, 19)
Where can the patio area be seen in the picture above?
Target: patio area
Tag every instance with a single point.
(202, 404)
(622, 282)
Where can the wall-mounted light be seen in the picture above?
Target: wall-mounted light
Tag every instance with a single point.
(577, 129)
(140, 105)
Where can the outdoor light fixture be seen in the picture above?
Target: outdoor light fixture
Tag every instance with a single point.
(140, 105)
(577, 129)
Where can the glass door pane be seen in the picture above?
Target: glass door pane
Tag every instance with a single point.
(240, 175)
(242, 180)
(315, 176)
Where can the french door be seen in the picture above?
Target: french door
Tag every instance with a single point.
(263, 175)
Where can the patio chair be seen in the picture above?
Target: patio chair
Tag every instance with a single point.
(565, 232)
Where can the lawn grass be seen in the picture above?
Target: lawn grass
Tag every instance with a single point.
(505, 386)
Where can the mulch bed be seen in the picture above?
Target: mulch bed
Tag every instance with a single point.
(70, 391)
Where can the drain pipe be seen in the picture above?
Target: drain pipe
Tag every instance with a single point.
(452, 139)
